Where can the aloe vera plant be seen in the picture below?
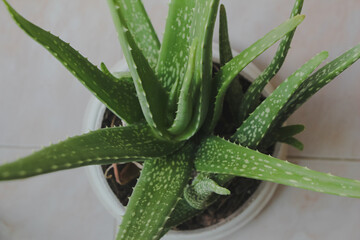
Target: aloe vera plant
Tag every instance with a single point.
(172, 102)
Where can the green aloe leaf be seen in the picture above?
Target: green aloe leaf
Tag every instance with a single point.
(217, 155)
(174, 51)
(206, 186)
(252, 131)
(318, 80)
(198, 193)
(234, 94)
(155, 195)
(104, 146)
(285, 135)
(224, 42)
(288, 131)
(186, 96)
(229, 71)
(253, 94)
(152, 96)
(182, 212)
(119, 76)
(188, 22)
(141, 28)
(293, 142)
(202, 29)
(116, 95)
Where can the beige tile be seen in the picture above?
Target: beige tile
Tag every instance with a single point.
(54, 206)
(296, 214)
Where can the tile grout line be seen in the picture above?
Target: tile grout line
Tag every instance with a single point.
(347, 159)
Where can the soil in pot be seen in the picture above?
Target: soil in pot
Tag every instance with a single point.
(241, 188)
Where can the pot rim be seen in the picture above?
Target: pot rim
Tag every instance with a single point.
(247, 212)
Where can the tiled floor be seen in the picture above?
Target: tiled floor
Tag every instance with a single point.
(41, 103)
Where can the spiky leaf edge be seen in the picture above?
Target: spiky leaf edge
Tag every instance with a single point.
(152, 96)
(103, 146)
(244, 162)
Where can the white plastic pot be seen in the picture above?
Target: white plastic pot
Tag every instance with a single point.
(233, 223)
